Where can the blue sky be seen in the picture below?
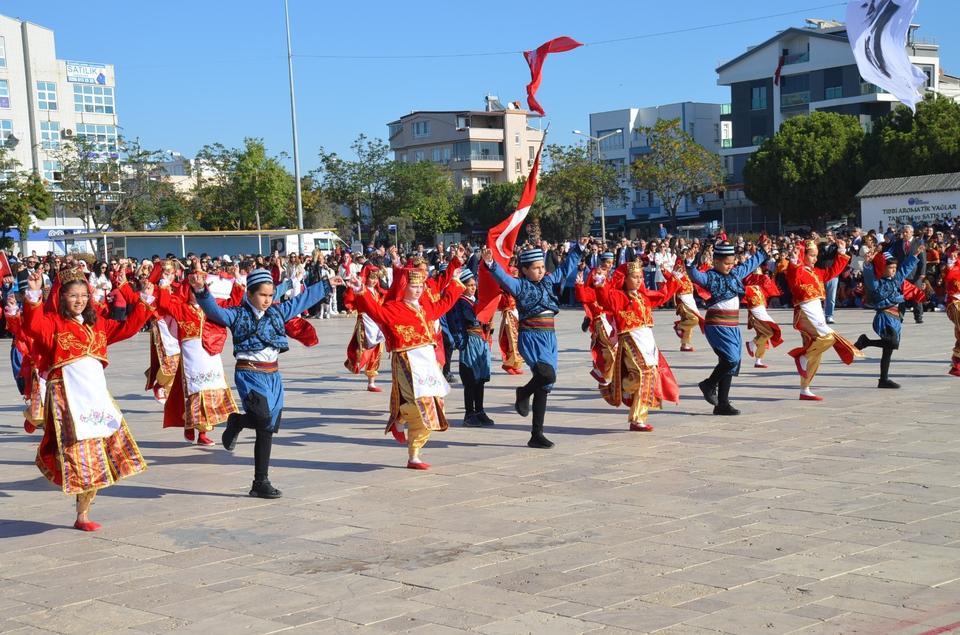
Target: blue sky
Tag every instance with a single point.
(190, 73)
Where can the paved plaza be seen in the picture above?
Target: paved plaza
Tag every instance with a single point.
(837, 517)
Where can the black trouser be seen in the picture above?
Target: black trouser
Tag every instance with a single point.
(447, 353)
(542, 375)
(916, 306)
(472, 390)
(888, 343)
(722, 378)
(257, 417)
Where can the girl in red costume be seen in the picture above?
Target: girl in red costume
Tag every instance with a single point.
(365, 348)
(758, 288)
(951, 286)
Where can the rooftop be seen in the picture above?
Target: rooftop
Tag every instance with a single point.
(911, 185)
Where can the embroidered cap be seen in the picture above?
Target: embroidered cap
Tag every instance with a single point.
(606, 256)
(465, 275)
(258, 276)
(531, 255)
(416, 277)
(722, 249)
(67, 276)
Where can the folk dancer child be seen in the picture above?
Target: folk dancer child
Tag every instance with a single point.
(259, 336)
(687, 310)
(757, 289)
(365, 348)
(806, 282)
(641, 378)
(471, 338)
(510, 357)
(724, 283)
(164, 347)
(602, 334)
(537, 305)
(951, 287)
(416, 398)
(199, 398)
(86, 443)
(884, 290)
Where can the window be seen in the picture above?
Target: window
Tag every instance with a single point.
(436, 155)
(463, 122)
(484, 181)
(6, 129)
(531, 153)
(928, 70)
(3, 52)
(88, 98)
(421, 129)
(834, 92)
(4, 94)
(395, 128)
(402, 157)
(613, 142)
(465, 183)
(418, 156)
(758, 98)
(103, 137)
(516, 139)
(518, 165)
(46, 96)
(716, 133)
(477, 151)
(446, 154)
(50, 135)
(51, 172)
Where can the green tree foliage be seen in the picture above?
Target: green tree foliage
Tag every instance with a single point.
(405, 233)
(361, 183)
(904, 144)
(492, 204)
(90, 180)
(147, 199)
(23, 197)
(424, 193)
(811, 170)
(676, 167)
(575, 181)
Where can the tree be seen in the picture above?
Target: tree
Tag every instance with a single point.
(424, 193)
(576, 182)
(90, 179)
(904, 144)
(147, 199)
(676, 167)
(811, 170)
(23, 197)
(360, 183)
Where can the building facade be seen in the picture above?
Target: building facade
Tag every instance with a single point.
(479, 147)
(640, 210)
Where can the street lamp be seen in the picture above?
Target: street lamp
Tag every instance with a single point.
(597, 140)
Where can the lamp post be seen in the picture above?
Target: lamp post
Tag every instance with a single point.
(597, 140)
(293, 122)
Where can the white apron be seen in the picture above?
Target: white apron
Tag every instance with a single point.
(643, 338)
(428, 378)
(371, 332)
(760, 313)
(168, 338)
(91, 407)
(220, 288)
(689, 302)
(201, 370)
(607, 328)
(813, 309)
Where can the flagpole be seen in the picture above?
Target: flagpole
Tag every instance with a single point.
(293, 123)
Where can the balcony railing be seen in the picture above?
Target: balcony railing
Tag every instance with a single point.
(476, 156)
(726, 109)
(866, 88)
(797, 58)
(795, 99)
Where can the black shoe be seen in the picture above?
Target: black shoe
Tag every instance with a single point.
(471, 421)
(263, 489)
(918, 319)
(709, 392)
(725, 410)
(231, 432)
(522, 405)
(862, 342)
(585, 325)
(886, 383)
(484, 419)
(450, 378)
(537, 440)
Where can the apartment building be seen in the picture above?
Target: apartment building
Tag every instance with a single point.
(479, 147)
(641, 211)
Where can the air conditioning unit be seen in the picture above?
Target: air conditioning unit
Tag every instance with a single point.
(66, 133)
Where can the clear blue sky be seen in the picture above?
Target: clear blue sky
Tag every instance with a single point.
(190, 73)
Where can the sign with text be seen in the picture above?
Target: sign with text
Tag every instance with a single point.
(916, 209)
(86, 73)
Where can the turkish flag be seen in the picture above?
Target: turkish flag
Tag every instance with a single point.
(535, 60)
(501, 240)
(5, 269)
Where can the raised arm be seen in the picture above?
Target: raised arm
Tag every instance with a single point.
(312, 295)
(451, 293)
(364, 302)
(562, 273)
(37, 325)
(744, 269)
(507, 282)
(659, 297)
(119, 331)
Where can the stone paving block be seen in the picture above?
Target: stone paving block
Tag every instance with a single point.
(538, 622)
(737, 620)
(642, 616)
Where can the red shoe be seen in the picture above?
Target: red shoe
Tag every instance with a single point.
(804, 397)
(686, 349)
(189, 435)
(374, 389)
(417, 466)
(759, 364)
(28, 427)
(398, 434)
(87, 526)
(800, 368)
(203, 439)
(641, 427)
(751, 348)
(512, 371)
(953, 371)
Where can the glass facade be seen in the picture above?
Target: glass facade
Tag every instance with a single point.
(46, 96)
(758, 98)
(4, 93)
(478, 151)
(613, 142)
(50, 135)
(103, 137)
(97, 99)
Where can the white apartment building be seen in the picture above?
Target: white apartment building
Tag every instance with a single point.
(641, 211)
(44, 100)
(479, 146)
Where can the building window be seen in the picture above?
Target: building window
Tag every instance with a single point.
(6, 129)
(834, 92)
(4, 94)
(98, 99)
(102, 137)
(395, 128)
(50, 135)
(613, 142)
(484, 181)
(3, 52)
(463, 122)
(478, 151)
(716, 133)
(46, 95)
(518, 165)
(446, 154)
(465, 183)
(928, 71)
(418, 156)
(436, 155)
(758, 98)
(421, 129)
(51, 172)
(531, 154)
(402, 157)
(516, 139)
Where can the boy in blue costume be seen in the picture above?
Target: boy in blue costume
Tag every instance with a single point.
(724, 283)
(537, 305)
(470, 337)
(259, 337)
(886, 295)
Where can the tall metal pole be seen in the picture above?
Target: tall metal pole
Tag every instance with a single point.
(293, 121)
(603, 216)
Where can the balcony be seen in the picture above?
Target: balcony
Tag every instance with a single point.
(791, 100)
(477, 161)
(797, 58)
(484, 134)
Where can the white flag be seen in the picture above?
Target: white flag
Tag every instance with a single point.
(877, 30)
